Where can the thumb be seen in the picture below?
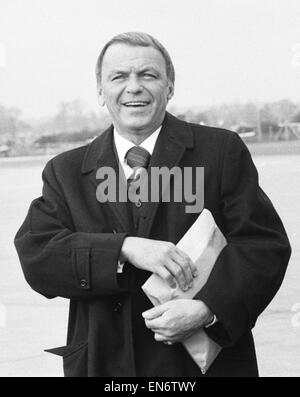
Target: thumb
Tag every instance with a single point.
(155, 312)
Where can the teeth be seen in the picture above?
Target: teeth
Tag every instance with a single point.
(135, 104)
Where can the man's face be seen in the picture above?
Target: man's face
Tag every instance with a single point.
(135, 88)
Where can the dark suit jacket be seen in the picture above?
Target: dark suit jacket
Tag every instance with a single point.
(69, 246)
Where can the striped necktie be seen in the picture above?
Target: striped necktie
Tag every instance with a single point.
(138, 159)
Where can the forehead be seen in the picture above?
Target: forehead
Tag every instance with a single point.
(124, 56)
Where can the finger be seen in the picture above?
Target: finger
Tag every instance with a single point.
(165, 274)
(155, 312)
(191, 263)
(177, 272)
(154, 324)
(160, 338)
(165, 339)
(184, 263)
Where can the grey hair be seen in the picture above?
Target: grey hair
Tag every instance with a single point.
(136, 39)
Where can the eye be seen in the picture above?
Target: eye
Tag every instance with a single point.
(117, 77)
(149, 76)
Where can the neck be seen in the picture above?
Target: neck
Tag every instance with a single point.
(138, 136)
(135, 138)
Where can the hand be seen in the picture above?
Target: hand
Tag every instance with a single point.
(178, 319)
(162, 258)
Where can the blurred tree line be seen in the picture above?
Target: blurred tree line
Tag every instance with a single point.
(231, 116)
(75, 122)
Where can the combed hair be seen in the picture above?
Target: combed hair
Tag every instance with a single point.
(137, 39)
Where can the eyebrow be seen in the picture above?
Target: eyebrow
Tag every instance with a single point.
(115, 72)
(148, 69)
(143, 70)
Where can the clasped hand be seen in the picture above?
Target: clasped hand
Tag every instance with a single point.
(176, 320)
(162, 258)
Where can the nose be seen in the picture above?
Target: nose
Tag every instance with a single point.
(133, 85)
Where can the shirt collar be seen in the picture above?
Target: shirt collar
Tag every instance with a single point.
(123, 145)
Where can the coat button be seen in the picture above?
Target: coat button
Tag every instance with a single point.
(118, 307)
(83, 283)
(138, 204)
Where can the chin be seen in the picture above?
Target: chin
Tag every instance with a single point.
(138, 124)
(138, 127)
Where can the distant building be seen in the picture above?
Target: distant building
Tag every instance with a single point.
(4, 150)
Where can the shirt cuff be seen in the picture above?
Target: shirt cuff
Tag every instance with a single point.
(120, 267)
(213, 321)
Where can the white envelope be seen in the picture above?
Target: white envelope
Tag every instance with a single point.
(203, 242)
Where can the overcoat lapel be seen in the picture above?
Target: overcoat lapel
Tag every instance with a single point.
(175, 137)
(101, 153)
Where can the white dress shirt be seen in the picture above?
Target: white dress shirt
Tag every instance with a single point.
(123, 145)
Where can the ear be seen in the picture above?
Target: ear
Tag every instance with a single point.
(101, 100)
(171, 90)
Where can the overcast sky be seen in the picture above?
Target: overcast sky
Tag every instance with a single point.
(223, 50)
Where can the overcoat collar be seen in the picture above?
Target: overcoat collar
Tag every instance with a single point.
(175, 137)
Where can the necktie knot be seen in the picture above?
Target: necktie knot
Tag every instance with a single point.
(137, 157)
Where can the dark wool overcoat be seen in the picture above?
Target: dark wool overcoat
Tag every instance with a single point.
(69, 246)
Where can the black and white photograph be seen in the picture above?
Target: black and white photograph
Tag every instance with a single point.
(150, 191)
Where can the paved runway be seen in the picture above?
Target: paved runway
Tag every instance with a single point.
(30, 323)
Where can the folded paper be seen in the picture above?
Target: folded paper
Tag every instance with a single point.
(203, 242)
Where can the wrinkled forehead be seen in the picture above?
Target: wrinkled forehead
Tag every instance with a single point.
(124, 57)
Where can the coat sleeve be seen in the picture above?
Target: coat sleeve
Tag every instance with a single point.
(59, 261)
(250, 269)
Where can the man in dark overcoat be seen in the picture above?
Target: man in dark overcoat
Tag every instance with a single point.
(97, 253)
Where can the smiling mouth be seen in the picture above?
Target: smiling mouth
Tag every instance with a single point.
(136, 104)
